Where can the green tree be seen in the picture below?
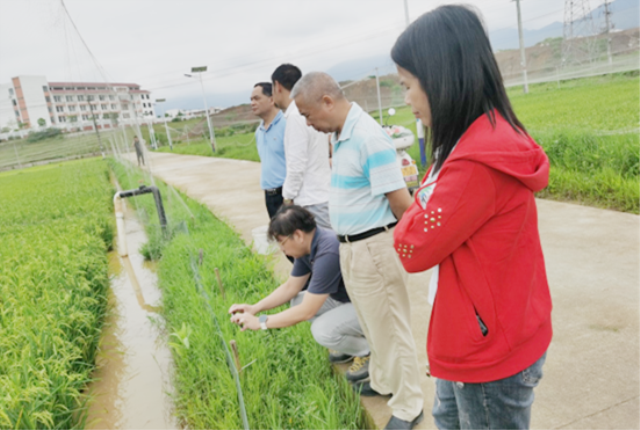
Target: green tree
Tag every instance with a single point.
(41, 122)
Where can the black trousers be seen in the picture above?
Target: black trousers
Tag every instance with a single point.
(273, 200)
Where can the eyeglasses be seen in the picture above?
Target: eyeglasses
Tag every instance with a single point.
(281, 244)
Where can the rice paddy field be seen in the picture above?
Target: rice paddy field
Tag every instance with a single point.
(56, 225)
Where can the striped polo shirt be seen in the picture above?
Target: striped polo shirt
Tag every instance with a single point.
(364, 169)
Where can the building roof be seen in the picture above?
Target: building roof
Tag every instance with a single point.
(92, 84)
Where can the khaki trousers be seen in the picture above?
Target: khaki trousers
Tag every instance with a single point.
(376, 283)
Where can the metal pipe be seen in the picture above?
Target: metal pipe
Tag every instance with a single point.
(156, 196)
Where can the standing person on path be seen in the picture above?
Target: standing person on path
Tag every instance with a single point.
(368, 195)
(138, 147)
(474, 218)
(307, 152)
(270, 142)
(325, 303)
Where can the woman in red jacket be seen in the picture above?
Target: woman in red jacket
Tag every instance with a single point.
(474, 221)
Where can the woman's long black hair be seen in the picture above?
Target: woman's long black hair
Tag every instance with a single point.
(449, 52)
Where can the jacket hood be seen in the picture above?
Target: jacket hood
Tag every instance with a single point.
(502, 148)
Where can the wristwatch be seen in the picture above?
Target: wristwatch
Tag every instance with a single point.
(263, 321)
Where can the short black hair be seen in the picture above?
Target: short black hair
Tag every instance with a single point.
(448, 50)
(287, 75)
(267, 88)
(288, 219)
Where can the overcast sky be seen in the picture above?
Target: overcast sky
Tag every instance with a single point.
(154, 42)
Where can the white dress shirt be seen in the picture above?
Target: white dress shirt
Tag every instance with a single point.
(307, 155)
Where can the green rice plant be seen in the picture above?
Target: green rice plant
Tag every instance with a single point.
(287, 381)
(55, 227)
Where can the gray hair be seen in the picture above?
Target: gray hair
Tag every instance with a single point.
(314, 85)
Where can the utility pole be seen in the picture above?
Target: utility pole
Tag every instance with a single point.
(406, 13)
(523, 56)
(379, 98)
(607, 17)
(212, 137)
(166, 127)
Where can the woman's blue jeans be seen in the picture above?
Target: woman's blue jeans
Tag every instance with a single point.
(501, 404)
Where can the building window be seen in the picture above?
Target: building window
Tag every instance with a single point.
(80, 98)
(69, 98)
(104, 107)
(48, 99)
(11, 91)
(57, 99)
(125, 115)
(85, 117)
(17, 113)
(45, 88)
(15, 103)
(49, 109)
(52, 121)
(114, 106)
(102, 98)
(62, 119)
(59, 109)
(83, 108)
(105, 116)
(112, 97)
(125, 107)
(72, 108)
(94, 107)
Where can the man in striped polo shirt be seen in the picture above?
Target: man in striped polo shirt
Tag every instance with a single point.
(367, 197)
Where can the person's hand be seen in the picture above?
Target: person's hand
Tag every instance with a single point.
(242, 308)
(246, 321)
(287, 202)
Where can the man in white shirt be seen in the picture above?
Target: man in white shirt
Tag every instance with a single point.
(306, 152)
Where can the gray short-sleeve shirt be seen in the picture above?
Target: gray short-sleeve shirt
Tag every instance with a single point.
(324, 265)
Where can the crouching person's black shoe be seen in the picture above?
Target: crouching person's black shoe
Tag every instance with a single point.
(398, 424)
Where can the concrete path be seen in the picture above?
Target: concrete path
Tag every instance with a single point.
(591, 377)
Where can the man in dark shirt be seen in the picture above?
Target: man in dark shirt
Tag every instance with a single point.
(325, 303)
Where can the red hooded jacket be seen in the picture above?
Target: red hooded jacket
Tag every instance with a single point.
(479, 222)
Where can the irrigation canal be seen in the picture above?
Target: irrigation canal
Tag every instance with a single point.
(133, 386)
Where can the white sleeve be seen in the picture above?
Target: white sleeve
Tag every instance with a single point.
(296, 150)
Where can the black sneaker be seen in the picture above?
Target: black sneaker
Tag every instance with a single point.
(359, 369)
(398, 424)
(337, 357)
(364, 389)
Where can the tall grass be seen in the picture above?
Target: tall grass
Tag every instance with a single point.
(55, 228)
(287, 382)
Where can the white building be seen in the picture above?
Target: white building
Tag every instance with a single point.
(192, 113)
(76, 105)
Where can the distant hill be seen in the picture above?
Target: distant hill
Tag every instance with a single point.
(625, 14)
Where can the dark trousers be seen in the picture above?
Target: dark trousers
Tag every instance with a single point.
(273, 200)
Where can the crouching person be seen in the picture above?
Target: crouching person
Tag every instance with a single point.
(324, 303)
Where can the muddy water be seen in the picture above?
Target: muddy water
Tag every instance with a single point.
(133, 388)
